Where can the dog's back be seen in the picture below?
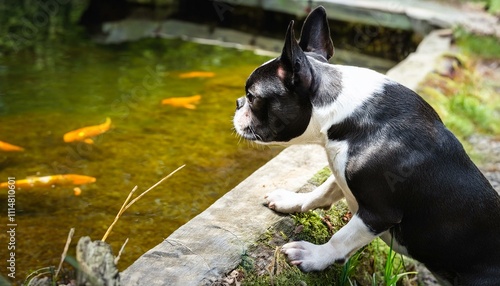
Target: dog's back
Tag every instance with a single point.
(450, 213)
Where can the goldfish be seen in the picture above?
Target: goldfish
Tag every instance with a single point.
(84, 133)
(48, 181)
(194, 74)
(186, 102)
(4, 146)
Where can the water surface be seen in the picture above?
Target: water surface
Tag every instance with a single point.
(56, 89)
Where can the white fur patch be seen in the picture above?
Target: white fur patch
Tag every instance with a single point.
(289, 202)
(267, 62)
(354, 235)
(242, 119)
(358, 86)
(337, 152)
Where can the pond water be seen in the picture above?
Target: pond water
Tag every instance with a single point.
(57, 89)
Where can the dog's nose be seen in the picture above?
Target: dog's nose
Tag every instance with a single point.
(240, 102)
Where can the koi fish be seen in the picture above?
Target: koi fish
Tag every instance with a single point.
(194, 74)
(84, 133)
(4, 146)
(48, 181)
(188, 102)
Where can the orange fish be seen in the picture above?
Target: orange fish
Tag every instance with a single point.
(188, 102)
(194, 74)
(84, 133)
(4, 146)
(48, 181)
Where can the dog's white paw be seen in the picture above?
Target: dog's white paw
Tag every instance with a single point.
(284, 201)
(307, 256)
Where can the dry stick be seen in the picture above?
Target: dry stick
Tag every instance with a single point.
(66, 247)
(117, 258)
(120, 212)
(152, 187)
(125, 206)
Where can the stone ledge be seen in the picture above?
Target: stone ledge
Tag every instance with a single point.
(412, 70)
(211, 244)
(417, 15)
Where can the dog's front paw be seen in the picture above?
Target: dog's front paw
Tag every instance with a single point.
(307, 256)
(284, 201)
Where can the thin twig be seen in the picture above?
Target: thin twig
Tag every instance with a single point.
(117, 258)
(120, 212)
(63, 256)
(122, 209)
(152, 187)
(126, 204)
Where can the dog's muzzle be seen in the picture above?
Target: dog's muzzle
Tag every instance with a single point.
(240, 102)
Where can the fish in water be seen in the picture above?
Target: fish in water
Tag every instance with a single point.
(196, 74)
(48, 181)
(84, 134)
(4, 146)
(188, 102)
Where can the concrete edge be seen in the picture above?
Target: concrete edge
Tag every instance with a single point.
(420, 16)
(413, 70)
(211, 244)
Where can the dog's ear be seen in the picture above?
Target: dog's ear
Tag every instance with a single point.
(315, 35)
(292, 55)
(294, 61)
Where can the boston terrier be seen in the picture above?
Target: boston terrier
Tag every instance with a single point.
(405, 176)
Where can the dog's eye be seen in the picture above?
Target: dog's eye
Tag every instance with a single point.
(250, 97)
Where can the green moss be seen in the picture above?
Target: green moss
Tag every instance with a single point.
(366, 267)
(481, 46)
(494, 7)
(465, 101)
(321, 176)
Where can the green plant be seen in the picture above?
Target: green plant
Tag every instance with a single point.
(494, 7)
(393, 270)
(480, 46)
(312, 227)
(463, 99)
(321, 176)
(349, 268)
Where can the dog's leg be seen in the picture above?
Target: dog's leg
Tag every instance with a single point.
(289, 202)
(312, 257)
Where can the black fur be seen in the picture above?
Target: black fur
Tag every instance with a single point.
(422, 185)
(282, 112)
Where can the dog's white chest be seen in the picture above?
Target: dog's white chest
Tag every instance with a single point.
(337, 152)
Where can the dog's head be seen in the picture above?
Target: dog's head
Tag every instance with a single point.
(277, 106)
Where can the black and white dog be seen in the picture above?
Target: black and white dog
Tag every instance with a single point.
(406, 178)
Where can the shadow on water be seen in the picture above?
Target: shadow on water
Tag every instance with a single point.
(45, 94)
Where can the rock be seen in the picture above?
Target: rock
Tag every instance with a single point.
(97, 264)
